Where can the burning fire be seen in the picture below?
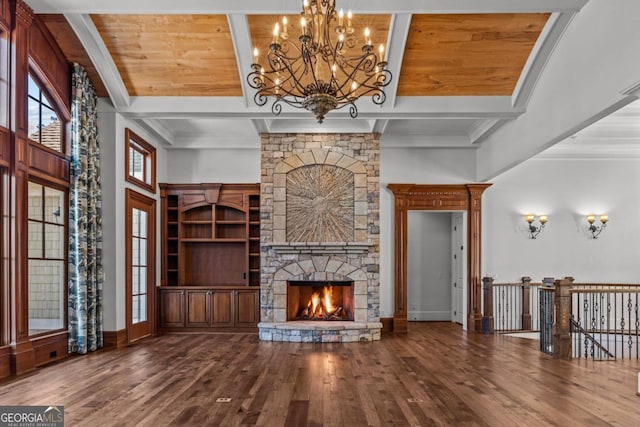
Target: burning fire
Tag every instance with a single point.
(321, 307)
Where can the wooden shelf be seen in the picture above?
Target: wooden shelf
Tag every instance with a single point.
(207, 240)
(210, 258)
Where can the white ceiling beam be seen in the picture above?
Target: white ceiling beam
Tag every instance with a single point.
(97, 51)
(294, 6)
(241, 38)
(406, 107)
(398, 32)
(380, 125)
(539, 56)
(260, 126)
(482, 128)
(157, 128)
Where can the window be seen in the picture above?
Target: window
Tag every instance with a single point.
(44, 122)
(47, 266)
(140, 158)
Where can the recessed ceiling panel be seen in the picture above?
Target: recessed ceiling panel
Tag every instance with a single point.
(172, 55)
(467, 54)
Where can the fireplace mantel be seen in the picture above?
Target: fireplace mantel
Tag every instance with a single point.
(318, 248)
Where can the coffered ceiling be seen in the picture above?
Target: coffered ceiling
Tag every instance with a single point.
(460, 70)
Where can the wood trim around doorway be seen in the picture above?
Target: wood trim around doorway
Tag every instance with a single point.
(438, 197)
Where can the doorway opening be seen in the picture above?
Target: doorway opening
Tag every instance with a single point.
(437, 267)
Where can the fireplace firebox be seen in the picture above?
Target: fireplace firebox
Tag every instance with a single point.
(320, 300)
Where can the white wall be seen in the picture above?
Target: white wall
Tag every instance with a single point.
(111, 128)
(215, 165)
(419, 166)
(566, 190)
(429, 266)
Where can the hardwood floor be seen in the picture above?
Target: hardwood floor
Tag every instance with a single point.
(436, 375)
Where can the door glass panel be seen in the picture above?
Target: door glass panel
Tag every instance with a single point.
(138, 265)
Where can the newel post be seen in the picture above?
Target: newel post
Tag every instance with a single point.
(487, 317)
(526, 303)
(562, 324)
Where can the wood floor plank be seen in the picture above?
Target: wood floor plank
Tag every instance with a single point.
(435, 375)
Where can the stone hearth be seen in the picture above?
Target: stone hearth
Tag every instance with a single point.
(320, 222)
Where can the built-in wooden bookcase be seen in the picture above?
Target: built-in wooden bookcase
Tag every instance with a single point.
(210, 256)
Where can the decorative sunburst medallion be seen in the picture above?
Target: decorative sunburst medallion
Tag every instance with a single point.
(320, 204)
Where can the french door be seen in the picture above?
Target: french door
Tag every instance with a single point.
(140, 265)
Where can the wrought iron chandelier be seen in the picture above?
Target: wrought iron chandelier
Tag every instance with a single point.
(326, 70)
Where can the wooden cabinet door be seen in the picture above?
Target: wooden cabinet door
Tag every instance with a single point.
(222, 309)
(198, 309)
(172, 308)
(247, 308)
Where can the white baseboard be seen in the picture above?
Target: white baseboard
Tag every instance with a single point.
(426, 316)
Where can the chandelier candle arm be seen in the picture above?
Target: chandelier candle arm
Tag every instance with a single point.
(323, 70)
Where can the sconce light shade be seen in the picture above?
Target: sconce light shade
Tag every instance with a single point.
(535, 230)
(594, 228)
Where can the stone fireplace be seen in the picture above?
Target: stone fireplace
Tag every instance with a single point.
(320, 227)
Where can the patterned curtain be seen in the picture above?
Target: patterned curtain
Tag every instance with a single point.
(85, 221)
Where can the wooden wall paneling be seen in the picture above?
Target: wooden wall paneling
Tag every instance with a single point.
(50, 348)
(4, 12)
(438, 197)
(19, 68)
(22, 353)
(5, 153)
(52, 64)
(48, 164)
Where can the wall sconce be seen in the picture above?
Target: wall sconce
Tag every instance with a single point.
(597, 229)
(535, 230)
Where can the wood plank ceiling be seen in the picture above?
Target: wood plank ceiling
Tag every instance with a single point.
(193, 55)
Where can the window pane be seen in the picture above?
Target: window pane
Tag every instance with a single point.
(54, 241)
(34, 90)
(35, 240)
(35, 201)
(139, 308)
(142, 260)
(136, 164)
(46, 295)
(34, 120)
(139, 277)
(142, 288)
(50, 134)
(143, 224)
(44, 123)
(135, 222)
(54, 205)
(135, 251)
